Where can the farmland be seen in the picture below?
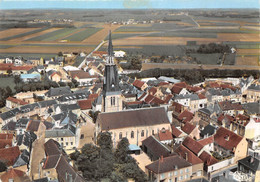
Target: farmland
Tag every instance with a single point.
(153, 33)
(53, 35)
(82, 35)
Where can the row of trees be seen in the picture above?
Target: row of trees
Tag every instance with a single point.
(211, 48)
(134, 62)
(195, 75)
(102, 162)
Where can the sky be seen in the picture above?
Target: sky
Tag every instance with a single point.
(127, 4)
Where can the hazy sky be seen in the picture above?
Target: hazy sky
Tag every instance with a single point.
(121, 4)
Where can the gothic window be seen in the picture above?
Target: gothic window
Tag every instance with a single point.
(113, 101)
(120, 135)
(132, 134)
(142, 133)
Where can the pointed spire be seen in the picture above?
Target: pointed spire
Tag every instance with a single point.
(110, 46)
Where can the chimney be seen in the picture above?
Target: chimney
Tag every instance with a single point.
(162, 158)
(252, 159)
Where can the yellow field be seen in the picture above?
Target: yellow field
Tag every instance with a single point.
(238, 37)
(247, 60)
(248, 51)
(34, 35)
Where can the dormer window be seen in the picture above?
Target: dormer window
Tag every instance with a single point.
(227, 137)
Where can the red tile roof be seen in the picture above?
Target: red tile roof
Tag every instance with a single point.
(176, 89)
(138, 83)
(81, 74)
(165, 135)
(223, 116)
(224, 86)
(168, 164)
(186, 153)
(177, 107)
(85, 104)
(163, 83)
(214, 85)
(181, 84)
(134, 102)
(6, 136)
(185, 116)
(206, 141)
(227, 139)
(176, 132)
(168, 98)
(12, 174)
(201, 96)
(242, 117)
(33, 125)
(207, 158)
(5, 143)
(142, 96)
(152, 91)
(9, 155)
(227, 105)
(192, 145)
(6, 67)
(193, 89)
(17, 101)
(188, 128)
(149, 99)
(93, 96)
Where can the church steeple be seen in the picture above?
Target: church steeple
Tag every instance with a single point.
(110, 52)
(112, 100)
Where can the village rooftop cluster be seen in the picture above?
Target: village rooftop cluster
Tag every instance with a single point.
(176, 131)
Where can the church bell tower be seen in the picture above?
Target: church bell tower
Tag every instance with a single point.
(112, 100)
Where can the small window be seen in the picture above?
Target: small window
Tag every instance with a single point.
(187, 170)
(120, 135)
(67, 143)
(61, 139)
(175, 173)
(181, 171)
(81, 136)
(132, 134)
(181, 178)
(71, 143)
(153, 132)
(142, 133)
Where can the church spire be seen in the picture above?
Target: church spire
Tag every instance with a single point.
(110, 52)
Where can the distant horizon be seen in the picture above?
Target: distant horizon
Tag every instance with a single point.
(128, 4)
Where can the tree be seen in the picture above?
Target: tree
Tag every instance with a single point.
(9, 71)
(2, 166)
(94, 115)
(60, 54)
(121, 151)
(17, 79)
(8, 91)
(74, 156)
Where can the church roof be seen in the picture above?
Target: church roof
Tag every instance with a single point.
(133, 118)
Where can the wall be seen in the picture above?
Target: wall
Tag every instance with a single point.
(220, 165)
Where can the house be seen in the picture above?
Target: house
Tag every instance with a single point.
(119, 54)
(35, 77)
(54, 93)
(249, 166)
(197, 163)
(185, 116)
(253, 93)
(172, 168)
(154, 148)
(65, 136)
(56, 165)
(230, 108)
(165, 136)
(12, 102)
(85, 105)
(6, 68)
(84, 78)
(207, 131)
(56, 77)
(193, 145)
(14, 175)
(191, 130)
(227, 143)
(9, 155)
(135, 125)
(140, 84)
(6, 140)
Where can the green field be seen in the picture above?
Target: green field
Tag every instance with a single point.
(183, 34)
(56, 45)
(82, 35)
(123, 35)
(53, 35)
(24, 34)
(3, 46)
(28, 55)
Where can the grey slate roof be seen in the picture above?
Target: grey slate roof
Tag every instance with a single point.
(9, 114)
(254, 87)
(53, 92)
(67, 107)
(208, 130)
(29, 107)
(47, 103)
(73, 96)
(205, 110)
(252, 108)
(133, 118)
(250, 162)
(54, 133)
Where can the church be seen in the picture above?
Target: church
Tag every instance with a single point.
(136, 125)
